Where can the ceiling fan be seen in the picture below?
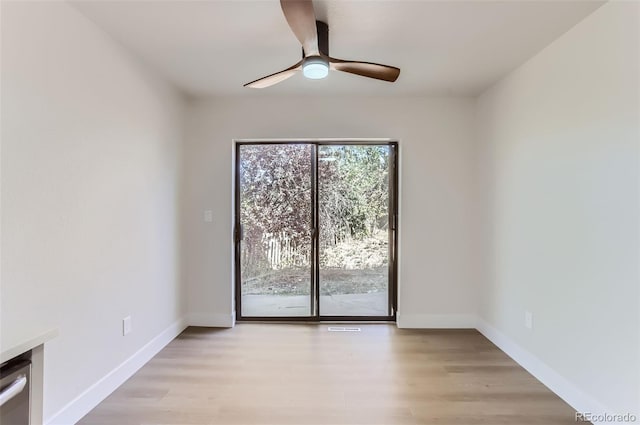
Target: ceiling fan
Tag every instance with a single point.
(316, 62)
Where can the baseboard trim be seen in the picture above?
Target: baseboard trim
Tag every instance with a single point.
(212, 320)
(563, 388)
(435, 321)
(92, 396)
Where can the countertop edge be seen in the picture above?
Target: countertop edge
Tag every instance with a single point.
(27, 345)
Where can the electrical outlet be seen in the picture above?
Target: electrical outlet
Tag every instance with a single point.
(208, 216)
(126, 326)
(528, 320)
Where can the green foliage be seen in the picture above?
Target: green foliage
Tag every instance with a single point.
(353, 191)
(276, 188)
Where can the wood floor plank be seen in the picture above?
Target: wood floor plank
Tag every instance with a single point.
(263, 374)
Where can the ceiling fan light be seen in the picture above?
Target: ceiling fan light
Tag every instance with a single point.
(315, 67)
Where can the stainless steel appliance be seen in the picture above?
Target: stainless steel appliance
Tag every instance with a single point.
(15, 391)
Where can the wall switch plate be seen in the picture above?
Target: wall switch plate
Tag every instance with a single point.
(126, 325)
(528, 320)
(208, 216)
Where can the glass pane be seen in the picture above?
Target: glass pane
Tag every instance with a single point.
(353, 194)
(275, 214)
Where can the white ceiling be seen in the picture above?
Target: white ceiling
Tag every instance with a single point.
(213, 47)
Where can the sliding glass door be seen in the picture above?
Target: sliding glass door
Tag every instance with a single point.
(315, 234)
(353, 195)
(275, 229)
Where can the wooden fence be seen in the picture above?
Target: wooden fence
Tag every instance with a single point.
(275, 252)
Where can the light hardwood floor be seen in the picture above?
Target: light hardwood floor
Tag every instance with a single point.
(303, 374)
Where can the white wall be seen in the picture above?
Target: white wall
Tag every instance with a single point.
(559, 169)
(437, 278)
(90, 184)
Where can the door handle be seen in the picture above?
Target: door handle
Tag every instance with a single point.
(13, 389)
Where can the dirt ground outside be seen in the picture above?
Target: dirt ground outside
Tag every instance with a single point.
(333, 281)
(349, 267)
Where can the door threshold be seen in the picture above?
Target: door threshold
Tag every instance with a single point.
(305, 321)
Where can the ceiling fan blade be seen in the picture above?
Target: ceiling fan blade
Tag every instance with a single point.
(366, 69)
(302, 20)
(274, 78)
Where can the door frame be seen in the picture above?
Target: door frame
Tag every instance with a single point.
(315, 270)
